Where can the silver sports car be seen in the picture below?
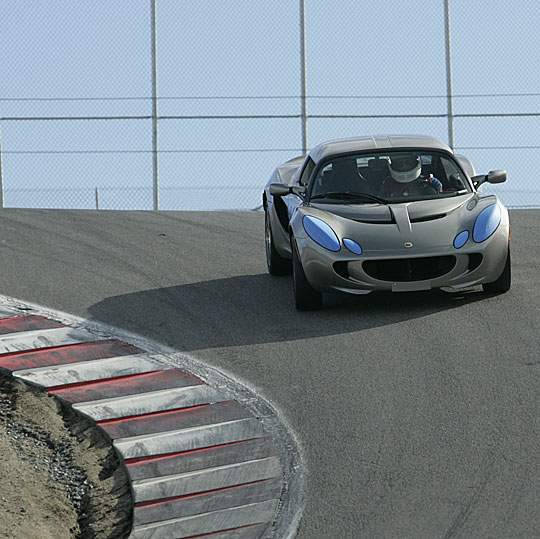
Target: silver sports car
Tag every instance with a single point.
(396, 213)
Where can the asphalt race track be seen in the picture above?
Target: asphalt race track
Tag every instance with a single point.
(418, 414)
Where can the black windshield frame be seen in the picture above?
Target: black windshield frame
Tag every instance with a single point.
(378, 153)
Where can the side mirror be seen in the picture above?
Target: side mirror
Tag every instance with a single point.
(282, 190)
(496, 176)
(279, 189)
(493, 176)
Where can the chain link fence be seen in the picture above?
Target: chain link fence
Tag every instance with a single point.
(229, 103)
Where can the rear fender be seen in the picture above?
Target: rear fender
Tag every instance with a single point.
(280, 233)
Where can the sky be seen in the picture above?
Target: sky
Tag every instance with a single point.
(72, 59)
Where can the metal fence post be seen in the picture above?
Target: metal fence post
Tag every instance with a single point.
(303, 73)
(97, 198)
(154, 109)
(1, 175)
(450, 102)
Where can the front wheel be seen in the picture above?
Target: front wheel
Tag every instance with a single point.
(502, 284)
(305, 296)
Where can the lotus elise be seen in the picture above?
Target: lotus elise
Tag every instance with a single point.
(385, 213)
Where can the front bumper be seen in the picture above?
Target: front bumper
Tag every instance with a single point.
(402, 270)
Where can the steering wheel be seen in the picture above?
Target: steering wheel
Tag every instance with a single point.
(422, 187)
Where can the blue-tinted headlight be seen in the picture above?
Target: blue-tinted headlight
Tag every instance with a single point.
(352, 246)
(486, 223)
(321, 233)
(461, 239)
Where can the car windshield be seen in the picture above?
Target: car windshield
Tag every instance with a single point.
(399, 176)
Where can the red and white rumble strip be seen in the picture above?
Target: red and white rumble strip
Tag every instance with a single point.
(199, 462)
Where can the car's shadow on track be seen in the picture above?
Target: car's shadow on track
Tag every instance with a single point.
(253, 309)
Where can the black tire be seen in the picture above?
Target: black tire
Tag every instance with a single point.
(503, 283)
(305, 296)
(277, 265)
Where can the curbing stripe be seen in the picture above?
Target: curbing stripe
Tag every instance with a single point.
(46, 338)
(16, 324)
(204, 502)
(253, 531)
(198, 459)
(209, 479)
(152, 401)
(116, 387)
(187, 439)
(227, 519)
(66, 354)
(87, 371)
(205, 414)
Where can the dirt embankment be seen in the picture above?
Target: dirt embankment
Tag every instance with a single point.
(59, 475)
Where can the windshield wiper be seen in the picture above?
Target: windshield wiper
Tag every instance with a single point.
(350, 194)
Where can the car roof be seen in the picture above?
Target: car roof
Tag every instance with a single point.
(378, 142)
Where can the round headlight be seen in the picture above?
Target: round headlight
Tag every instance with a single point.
(461, 239)
(486, 223)
(321, 233)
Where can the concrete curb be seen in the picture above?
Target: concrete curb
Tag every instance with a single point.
(203, 452)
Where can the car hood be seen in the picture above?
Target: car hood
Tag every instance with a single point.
(420, 210)
(427, 224)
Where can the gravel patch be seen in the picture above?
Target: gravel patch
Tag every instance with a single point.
(59, 475)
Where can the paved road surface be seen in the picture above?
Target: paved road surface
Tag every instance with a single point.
(418, 414)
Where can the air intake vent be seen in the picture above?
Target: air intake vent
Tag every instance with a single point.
(475, 260)
(388, 221)
(409, 269)
(428, 218)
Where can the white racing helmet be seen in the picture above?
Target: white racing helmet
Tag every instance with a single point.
(405, 168)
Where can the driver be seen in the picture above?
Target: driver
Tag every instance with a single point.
(406, 178)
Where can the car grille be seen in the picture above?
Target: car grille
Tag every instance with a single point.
(409, 269)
